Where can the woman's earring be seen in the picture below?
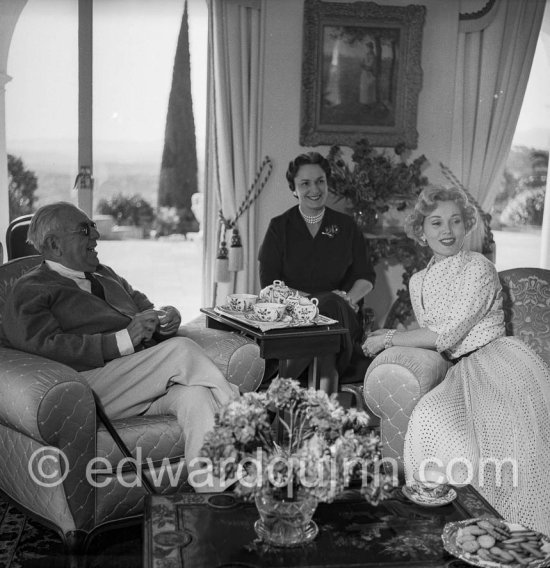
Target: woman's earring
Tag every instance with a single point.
(295, 194)
(423, 241)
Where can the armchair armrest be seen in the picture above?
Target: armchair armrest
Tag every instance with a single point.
(237, 356)
(47, 407)
(39, 397)
(394, 383)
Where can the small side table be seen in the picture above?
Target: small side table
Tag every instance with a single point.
(287, 343)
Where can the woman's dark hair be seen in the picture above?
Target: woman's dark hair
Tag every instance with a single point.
(309, 158)
(429, 199)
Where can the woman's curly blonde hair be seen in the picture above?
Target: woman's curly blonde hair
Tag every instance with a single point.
(427, 202)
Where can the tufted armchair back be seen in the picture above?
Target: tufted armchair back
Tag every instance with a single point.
(16, 238)
(10, 272)
(526, 303)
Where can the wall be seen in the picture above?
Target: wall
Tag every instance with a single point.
(281, 116)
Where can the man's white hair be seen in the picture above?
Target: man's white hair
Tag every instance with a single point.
(48, 220)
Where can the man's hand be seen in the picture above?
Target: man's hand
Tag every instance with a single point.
(142, 326)
(169, 318)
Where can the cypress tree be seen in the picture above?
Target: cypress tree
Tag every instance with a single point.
(178, 175)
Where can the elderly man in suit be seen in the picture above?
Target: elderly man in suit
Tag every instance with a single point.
(81, 313)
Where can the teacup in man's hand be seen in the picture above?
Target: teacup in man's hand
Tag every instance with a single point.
(169, 319)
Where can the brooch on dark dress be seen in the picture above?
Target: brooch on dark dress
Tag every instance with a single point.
(331, 231)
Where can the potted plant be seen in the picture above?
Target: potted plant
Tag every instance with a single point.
(318, 449)
(376, 181)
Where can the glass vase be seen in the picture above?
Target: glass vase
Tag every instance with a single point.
(285, 521)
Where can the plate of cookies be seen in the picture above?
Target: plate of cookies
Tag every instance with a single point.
(494, 543)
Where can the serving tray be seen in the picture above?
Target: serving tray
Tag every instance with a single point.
(249, 318)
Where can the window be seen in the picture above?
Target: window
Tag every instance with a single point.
(42, 97)
(518, 209)
(134, 43)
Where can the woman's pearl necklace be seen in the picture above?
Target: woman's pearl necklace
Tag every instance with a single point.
(312, 219)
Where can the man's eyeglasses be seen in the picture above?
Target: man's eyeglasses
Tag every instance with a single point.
(85, 229)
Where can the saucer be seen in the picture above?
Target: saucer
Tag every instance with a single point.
(227, 309)
(426, 501)
(253, 317)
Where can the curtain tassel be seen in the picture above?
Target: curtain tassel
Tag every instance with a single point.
(222, 264)
(236, 262)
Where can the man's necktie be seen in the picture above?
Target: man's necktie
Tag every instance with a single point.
(97, 288)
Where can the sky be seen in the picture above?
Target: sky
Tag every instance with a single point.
(134, 50)
(134, 47)
(533, 128)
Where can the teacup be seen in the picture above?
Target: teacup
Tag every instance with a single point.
(269, 311)
(306, 309)
(163, 317)
(241, 302)
(431, 483)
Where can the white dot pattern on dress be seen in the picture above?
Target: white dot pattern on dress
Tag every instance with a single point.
(469, 313)
(494, 404)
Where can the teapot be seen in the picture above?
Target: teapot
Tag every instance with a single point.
(305, 310)
(278, 292)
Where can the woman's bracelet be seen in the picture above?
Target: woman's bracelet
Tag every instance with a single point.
(388, 338)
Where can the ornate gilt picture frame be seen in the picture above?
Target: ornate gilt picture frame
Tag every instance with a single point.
(361, 73)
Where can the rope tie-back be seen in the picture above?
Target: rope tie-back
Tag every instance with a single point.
(235, 254)
(488, 240)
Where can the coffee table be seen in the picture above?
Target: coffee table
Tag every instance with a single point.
(193, 530)
(286, 343)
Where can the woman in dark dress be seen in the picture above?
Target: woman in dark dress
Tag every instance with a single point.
(321, 253)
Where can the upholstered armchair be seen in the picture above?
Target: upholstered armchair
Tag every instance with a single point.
(399, 377)
(16, 238)
(47, 409)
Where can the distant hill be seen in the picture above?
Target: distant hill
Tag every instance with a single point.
(123, 167)
(58, 186)
(62, 155)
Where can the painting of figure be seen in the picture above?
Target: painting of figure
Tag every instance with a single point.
(360, 75)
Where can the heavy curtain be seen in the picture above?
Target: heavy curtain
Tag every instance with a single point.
(494, 57)
(233, 131)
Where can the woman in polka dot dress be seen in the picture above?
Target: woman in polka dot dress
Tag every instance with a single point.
(488, 422)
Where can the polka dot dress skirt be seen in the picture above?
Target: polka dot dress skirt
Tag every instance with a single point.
(488, 424)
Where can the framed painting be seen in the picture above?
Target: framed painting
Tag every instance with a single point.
(361, 73)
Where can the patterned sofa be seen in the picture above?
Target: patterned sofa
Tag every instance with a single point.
(47, 409)
(398, 377)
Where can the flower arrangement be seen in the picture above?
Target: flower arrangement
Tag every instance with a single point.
(319, 448)
(375, 179)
